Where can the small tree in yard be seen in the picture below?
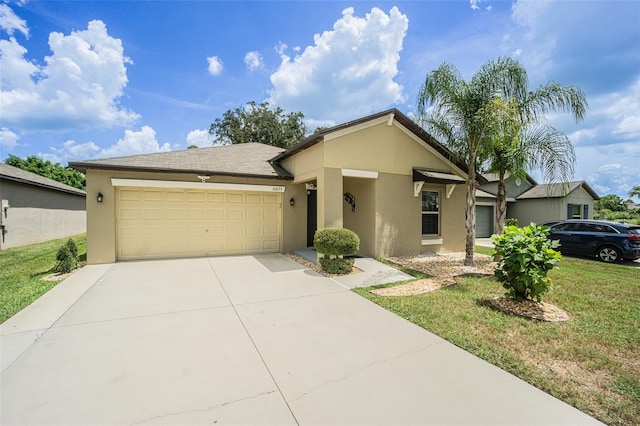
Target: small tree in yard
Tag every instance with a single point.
(67, 258)
(333, 244)
(526, 256)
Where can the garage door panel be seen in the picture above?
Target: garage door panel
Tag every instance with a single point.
(156, 222)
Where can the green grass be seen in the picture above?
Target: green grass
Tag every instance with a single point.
(22, 270)
(591, 362)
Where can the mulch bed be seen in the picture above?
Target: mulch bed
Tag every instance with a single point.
(316, 267)
(529, 309)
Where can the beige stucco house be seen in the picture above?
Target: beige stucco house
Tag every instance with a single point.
(35, 209)
(381, 176)
(528, 201)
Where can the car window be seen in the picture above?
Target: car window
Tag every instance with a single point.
(563, 226)
(587, 227)
(606, 228)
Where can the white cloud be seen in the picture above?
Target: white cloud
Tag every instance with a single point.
(132, 143)
(253, 60)
(200, 138)
(8, 139)
(10, 22)
(281, 48)
(215, 65)
(77, 88)
(349, 71)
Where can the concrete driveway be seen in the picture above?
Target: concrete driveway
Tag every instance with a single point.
(242, 340)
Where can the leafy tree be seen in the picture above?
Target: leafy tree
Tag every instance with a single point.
(259, 123)
(49, 170)
(520, 139)
(451, 109)
(635, 192)
(192, 146)
(610, 202)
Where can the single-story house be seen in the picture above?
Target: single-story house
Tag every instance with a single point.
(35, 209)
(529, 202)
(381, 176)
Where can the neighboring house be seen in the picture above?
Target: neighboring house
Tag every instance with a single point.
(529, 202)
(36, 209)
(547, 202)
(382, 176)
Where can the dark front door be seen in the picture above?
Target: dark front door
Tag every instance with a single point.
(312, 215)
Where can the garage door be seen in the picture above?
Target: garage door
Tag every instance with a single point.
(173, 222)
(484, 221)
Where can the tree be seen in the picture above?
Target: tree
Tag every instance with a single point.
(50, 170)
(611, 202)
(451, 109)
(259, 123)
(520, 139)
(635, 192)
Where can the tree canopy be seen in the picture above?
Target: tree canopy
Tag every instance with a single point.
(46, 168)
(259, 123)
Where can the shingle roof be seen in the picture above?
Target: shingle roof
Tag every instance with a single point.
(247, 159)
(18, 175)
(556, 190)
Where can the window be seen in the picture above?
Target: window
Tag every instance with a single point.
(576, 211)
(430, 213)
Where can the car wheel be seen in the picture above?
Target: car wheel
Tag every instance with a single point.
(609, 254)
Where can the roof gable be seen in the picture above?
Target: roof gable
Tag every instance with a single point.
(556, 190)
(247, 159)
(391, 116)
(22, 176)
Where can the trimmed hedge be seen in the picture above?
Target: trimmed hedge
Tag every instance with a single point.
(337, 266)
(332, 244)
(336, 241)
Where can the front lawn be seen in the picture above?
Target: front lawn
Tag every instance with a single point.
(22, 270)
(591, 362)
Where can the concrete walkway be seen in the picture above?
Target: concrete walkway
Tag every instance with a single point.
(242, 340)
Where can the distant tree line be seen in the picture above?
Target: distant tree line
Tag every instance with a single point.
(46, 168)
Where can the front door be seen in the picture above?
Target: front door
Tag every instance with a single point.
(312, 215)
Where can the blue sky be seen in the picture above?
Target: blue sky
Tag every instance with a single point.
(83, 79)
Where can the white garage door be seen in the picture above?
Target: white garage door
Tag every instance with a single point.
(173, 222)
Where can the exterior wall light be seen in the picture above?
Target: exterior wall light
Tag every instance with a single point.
(292, 201)
(100, 196)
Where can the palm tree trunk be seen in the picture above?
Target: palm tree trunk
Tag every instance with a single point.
(470, 213)
(501, 206)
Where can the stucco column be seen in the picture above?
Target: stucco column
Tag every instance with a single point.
(329, 186)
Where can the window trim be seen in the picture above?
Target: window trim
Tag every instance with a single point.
(438, 213)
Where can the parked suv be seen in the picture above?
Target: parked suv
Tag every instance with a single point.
(608, 241)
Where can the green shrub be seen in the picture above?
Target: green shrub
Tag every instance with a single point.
(66, 261)
(336, 241)
(337, 266)
(73, 248)
(526, 256)
(512, 221)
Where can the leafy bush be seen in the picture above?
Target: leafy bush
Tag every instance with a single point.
(333, 243)
(336, 266)
(336, 241)
(73, 248)
(512, 221)
(66, 262)
(526, 256)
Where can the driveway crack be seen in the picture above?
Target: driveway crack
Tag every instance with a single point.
(365, 367)
(202, 410)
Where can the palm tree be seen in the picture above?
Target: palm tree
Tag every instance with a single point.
(451, 108)
(459, 113)
(519, 143)
(635, 192)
